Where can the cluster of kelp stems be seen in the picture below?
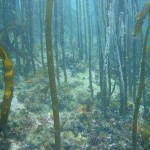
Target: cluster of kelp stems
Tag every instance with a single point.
(140, 88)
(7, 97)
(51, 73)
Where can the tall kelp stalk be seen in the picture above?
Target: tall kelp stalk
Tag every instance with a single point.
(62, 39)
(140, 89)
(109, 24)
(97, 9)
(41, 30)
(121, 53)
(121, 49)
(16, 45)
(117, 45)
(104, 87)
(71, 24)
(85, 31)
(128, 47)
(89, 48)
(51, 72)
(141, 16)
(120, 78)
(129, 40)
(71, 34)
(134, 44)
(30, 33)
(78, 26)
(105, 60)
(125, 47)
(80, 32)
(134, 68)
(7, 97)
(56, 41)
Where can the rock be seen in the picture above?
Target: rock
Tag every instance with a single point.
(109, 139)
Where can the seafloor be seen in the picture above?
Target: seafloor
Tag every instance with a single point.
(83, 125)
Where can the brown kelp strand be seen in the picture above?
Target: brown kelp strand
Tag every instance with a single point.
(141, 16)
(140, 89)
(8, 79)
(51, 73)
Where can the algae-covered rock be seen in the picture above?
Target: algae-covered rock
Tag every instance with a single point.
(83, 96)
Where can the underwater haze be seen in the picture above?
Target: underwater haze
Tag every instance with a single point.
(74, 75)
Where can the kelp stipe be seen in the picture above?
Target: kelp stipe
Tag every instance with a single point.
(7, 97)
(142, 15)
(140, 89)
(51, 73)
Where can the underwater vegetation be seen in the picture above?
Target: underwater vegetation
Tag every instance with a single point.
(7, 97)
(51, 73)
(80, 78)
(141, 16)
(142, 78)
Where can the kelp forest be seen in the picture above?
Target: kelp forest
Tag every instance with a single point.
(74, 75)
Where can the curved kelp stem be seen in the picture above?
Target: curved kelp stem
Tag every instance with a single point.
(51, 73)
(7, 97)
(140, 89)
(141, 16)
